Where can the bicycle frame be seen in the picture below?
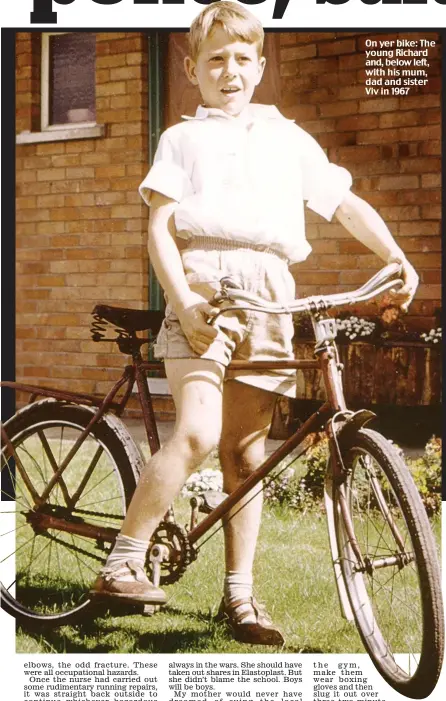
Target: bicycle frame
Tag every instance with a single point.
(326, 359)
(376, 519)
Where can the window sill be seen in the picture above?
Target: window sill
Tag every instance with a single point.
(158, 385)
(68, 134)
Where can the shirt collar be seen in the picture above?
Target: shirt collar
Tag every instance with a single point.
(250, 114)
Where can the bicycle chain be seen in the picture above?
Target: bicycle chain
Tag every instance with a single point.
(84, 512)
(170, 534)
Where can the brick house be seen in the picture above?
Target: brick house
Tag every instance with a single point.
(81, 226)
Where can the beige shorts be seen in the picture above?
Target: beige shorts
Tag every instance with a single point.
(241, 335)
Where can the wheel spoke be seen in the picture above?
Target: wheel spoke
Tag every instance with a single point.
(371, 521)
(95, 486)
(36, 466)
(34, 558)
(53, 566)
(77, 560)
(85, 564)
(14, 530)
(102, 501)
(86, 477)
(26, 507)
(380, 558)
(54, 465)
(16, 550)
(13, 480)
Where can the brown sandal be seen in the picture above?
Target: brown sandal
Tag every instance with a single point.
(127, 582)
(239, 617)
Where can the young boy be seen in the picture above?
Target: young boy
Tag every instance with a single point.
(231, 181)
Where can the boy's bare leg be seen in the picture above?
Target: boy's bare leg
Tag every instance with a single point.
(247, 414)
(196, 386)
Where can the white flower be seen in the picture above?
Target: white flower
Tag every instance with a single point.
(353, 327)
(203, 481)
(434, 335)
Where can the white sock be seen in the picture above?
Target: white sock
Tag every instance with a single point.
(126, 548)
(237, 585)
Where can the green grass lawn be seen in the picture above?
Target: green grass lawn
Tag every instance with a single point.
(293, 577)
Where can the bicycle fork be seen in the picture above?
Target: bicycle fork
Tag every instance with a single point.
(338, 427)
(335, 478)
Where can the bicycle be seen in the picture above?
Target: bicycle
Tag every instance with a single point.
(70, 466)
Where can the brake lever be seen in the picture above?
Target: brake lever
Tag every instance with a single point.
(223, 295)
(228, 283)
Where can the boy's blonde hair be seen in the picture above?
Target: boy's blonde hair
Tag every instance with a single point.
(236, 20)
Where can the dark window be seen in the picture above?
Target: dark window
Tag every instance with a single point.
(71, 62)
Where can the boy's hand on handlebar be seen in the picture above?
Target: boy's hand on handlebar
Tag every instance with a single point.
(405, 294)
(194, 319)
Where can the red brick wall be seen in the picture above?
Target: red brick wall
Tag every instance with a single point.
(27, 81)
(390, 144)
(81, 225)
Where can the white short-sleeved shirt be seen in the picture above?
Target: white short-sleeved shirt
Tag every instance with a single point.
(245, 178)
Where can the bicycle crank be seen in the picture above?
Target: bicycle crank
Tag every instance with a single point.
(169, 554)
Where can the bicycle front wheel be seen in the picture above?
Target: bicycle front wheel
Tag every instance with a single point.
(389, 564)
(51, 552)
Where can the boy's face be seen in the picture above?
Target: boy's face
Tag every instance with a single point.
(226, 71)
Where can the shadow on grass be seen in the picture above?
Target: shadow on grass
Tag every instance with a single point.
(112, 629)
(177, 640)
(176, 630)
(295, 650)
(40, 597)
(60, 640)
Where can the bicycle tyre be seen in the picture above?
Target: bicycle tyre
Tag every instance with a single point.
(397, 606)
(48, 584)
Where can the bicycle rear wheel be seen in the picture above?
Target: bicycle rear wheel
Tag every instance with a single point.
(389, 565)
(49, 554)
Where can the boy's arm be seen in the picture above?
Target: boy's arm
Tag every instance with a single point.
(365, 224)
(191, 309)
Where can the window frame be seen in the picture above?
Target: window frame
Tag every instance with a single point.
(45, 126)
(157, 65)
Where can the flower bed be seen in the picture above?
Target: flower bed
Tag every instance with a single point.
(385, 360)
(302, 488)
(401, 373)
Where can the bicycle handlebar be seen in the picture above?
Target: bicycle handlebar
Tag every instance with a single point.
(382, 281)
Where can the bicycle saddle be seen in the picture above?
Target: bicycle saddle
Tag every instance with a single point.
(130, 319)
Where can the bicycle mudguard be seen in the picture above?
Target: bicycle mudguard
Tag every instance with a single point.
(340, 430)
(351, 425)
(118, 427)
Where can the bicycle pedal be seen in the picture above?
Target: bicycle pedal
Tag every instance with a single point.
(210, 500)
(149, 609)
